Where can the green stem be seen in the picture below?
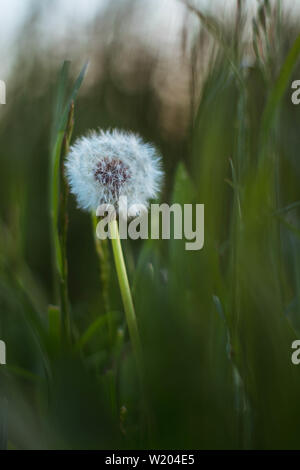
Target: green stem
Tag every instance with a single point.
(125, 292)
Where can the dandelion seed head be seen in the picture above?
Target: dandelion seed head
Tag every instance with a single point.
(104, 166)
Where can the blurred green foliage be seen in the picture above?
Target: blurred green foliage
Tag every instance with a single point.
(217, 324)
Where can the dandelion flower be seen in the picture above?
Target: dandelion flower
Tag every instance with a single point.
(104, 166)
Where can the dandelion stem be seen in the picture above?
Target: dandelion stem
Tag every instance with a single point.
(125, 292)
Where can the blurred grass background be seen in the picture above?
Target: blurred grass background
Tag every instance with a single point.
(216, 325)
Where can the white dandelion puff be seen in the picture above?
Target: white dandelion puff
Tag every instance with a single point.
(103, 166)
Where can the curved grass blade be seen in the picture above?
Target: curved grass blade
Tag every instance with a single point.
(58, 205)
(94, 328)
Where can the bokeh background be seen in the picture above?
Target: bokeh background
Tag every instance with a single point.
(203, 81)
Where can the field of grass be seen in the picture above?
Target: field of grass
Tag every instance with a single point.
(217, 324)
